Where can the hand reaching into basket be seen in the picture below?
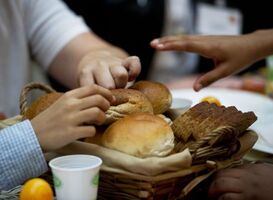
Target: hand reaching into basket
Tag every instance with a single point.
(63, 122)
(74, 57)
(230, 54)
(250, 182)
(88, 60)
(106, 70)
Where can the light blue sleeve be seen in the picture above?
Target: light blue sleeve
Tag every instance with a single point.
(21, 156)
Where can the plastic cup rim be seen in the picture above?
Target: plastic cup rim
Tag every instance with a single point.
(52, 166)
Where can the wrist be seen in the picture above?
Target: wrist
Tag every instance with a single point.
(263, 43)
(37, 130)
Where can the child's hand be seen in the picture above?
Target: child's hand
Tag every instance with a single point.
(65, 120)
(230, 54)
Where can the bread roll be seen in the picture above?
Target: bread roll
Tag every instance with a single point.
(40, 104)
(128, 102)
(141, 135)
(158, 94)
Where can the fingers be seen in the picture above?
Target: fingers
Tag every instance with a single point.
(94, 101)
(157, 43)
(103, 76)
(210, 77)
(120, 76)
(90, 90)
(133, 66)
(231, 196)
(224, 185)
(91, 108)
(228, 184)
(86, 77)
(233, 172)
(127, 71)
(85, 131)
(110, 73)
(179, 43)
(176, 45)
(119, 100)
(91, 116)
(202, 45)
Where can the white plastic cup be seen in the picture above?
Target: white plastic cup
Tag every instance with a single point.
(76, 177)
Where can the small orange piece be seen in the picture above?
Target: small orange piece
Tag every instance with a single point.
(36, 189)
(211, 99)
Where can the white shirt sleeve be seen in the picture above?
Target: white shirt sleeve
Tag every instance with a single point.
(21, 156)
(50, 25)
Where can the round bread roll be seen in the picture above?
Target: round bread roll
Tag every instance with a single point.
(40, 104)
(128, 101)
(141, 135)
(158, 94)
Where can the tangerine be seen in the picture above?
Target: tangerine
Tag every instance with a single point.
(211, 99)
(36, 189)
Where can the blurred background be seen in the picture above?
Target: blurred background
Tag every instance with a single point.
(132, 24)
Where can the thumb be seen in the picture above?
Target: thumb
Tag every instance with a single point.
(133, 66)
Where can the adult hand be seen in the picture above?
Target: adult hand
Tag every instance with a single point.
(251, 182)
(87, 59)
(229, 53)
(104, 69)
(65, 120)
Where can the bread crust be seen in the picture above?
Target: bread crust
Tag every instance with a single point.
(158, 94)
(128, 101)
(141, 135)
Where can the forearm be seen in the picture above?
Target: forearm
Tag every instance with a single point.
(262, 43)
(65, 65)
(21, 157)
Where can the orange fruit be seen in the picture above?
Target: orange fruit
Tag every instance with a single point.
(36, 189)
(211, 99)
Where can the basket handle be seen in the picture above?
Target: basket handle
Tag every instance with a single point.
(220, 130)
(27, 88)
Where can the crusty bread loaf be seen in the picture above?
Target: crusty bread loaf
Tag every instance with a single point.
(204, 117)
(158, 94)
(40, 104)
(141, 135)
(128, 102)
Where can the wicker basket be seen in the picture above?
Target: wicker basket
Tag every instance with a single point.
(122, 184)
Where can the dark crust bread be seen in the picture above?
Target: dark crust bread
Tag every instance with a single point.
(204, 117)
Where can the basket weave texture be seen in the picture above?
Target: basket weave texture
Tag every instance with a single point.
(119, 181)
